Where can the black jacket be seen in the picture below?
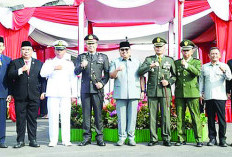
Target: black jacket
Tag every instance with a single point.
(24, 85)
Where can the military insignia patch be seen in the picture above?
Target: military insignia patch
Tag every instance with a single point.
(166, 65)
(100, 59)
(186, 43)
(158, 40)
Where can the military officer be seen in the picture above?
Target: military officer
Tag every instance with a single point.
(61, 91)
(188, 69)
(92, 64)
(161, 75)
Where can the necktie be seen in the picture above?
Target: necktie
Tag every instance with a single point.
(28, 70)
(160, 59)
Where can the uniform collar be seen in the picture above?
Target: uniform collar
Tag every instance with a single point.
(92, 53)
(125, 59)
(190, 58)
(160, 56)
(59, 58)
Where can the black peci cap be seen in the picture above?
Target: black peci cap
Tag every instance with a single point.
(124, 44)
(26, 43)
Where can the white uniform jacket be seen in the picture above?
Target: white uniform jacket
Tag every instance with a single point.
(61, 83)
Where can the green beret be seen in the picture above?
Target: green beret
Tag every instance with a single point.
(159, 42)
(187, 45)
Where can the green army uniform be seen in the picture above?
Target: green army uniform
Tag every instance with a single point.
(157, 94)
(187, 95)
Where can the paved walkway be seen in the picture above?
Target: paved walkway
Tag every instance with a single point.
(109, 151)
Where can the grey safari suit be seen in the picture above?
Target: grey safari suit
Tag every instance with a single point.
(127, 92)
(89, 93)
(156, 93)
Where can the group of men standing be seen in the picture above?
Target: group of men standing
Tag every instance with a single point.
(26, 79)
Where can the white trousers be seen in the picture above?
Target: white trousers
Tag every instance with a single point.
(58, 105)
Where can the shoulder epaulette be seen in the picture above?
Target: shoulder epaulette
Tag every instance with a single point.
(169, 57)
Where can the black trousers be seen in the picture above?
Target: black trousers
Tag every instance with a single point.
(214, 107)
(89, 101)
(26, 114)
(2, 119)
(43, 107)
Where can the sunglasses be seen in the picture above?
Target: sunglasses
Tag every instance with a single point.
(126, 49)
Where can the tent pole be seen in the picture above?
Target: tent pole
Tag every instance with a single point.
(171, 40)
(90, 27)
(81, 29)
(178, 26)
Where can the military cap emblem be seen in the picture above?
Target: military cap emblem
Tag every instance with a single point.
(186, 43)
(158, 40)
(60, 43)
(90, 37)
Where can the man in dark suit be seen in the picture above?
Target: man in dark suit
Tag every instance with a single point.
(91, 65)
(4, 94)
(27, 83)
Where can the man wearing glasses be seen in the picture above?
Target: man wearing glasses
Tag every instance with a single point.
(161, 75)
(92, 64)
(27, 91)
(128, 89)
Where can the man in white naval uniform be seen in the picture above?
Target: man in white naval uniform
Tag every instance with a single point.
(61, 90)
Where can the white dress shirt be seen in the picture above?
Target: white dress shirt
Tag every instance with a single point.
(213, 81)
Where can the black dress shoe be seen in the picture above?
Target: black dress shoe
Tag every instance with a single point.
(180, 143)
(33, 143)
(84, 143)
(3, 145)
(212, 142)
(152, 143)
(167, 143)
(101, 143)
(19, 145)
(199, 144)
(223, 144)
